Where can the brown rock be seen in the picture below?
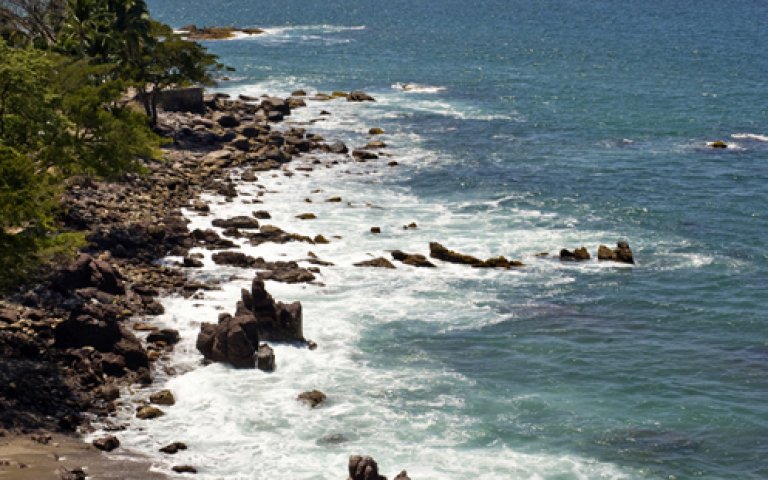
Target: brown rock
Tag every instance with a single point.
(148, 412)
(163, 397)
(236, 222)
(265, 358)
(376, 131)
(622, 253)
(358, 96)
(440, 252)
(578, 254)
(376, 230)
(312, 398)
(413, 259)
(306, 216)
(333, 199)
(107, 444)
(379, 262)
(363, 468)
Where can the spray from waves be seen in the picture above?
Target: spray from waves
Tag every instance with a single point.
(243, 424)
(417, 88)
(750, 136)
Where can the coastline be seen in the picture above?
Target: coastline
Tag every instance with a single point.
(116, 281)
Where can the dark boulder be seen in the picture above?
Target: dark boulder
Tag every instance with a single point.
(184, 469)
(107, 444)
(174, 447)
(89, 272)
(168, 336)
(163, 397)
(235, 259)
(236, 222)
(402, 476)
(233, 340)
(364, 155)
(358, 96)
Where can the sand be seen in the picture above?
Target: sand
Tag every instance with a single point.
(21, 457)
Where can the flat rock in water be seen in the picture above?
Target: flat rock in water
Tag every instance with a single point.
(379, 262)
(174, 447)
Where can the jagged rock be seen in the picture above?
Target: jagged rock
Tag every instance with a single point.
(312, 398)
(271, 233)
(363, 468)
(163, 397)
(622, 253)
(359, 96)
(578, 254)
(413, 259)
(320, 240)
(235, 340)
(236, 222)
(174, 447)
(265, 358)
(107, 444)
(379, 262)
(440, 252)
(148, 412)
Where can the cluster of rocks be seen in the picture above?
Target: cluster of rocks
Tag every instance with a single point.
(622, 253)
(235, 339)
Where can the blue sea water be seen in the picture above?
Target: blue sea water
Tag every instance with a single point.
(533, 126)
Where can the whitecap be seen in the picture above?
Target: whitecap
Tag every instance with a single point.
(750, 136)
(417, 88)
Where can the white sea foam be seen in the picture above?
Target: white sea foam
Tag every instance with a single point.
(750, 136)
(246, 424)
(417, 88)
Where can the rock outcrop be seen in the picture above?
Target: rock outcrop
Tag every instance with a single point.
(622, 253)
(578, 254)
(235, 339)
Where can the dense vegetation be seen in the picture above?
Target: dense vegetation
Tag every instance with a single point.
(66, 70)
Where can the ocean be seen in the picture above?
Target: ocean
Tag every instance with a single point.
(519, 127)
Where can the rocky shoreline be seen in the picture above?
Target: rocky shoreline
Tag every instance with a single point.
(71, 343)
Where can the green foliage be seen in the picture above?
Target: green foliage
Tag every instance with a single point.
(24, 255)
(65, 67)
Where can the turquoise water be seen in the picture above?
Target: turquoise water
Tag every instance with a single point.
(544, 125)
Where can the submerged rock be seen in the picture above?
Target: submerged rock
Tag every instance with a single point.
(440, 252)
